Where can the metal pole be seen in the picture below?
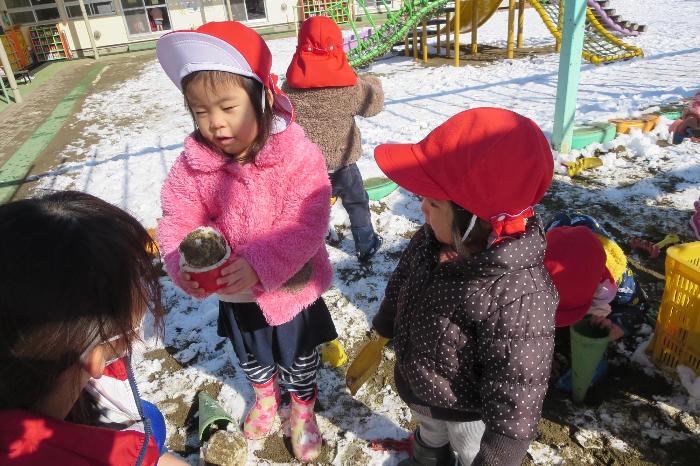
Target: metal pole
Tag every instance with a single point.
(569, 73)
(475, 26)
(89, 29)
(458, 23)
(414, 39)
(447, 35)
(229, 12)
(511, 28)
(202, 13)
(10, 75)
(521, 22)
(424, 40)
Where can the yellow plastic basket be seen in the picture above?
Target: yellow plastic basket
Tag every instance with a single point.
(677, 337)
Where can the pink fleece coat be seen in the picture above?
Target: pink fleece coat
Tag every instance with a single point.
(273, 212)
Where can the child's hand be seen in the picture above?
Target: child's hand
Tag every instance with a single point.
(190, 286)
(236, 277)
(605, 323)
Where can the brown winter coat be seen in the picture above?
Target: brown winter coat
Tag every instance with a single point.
(474, 339)
(327, 115)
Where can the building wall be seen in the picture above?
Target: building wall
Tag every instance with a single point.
(113, 32)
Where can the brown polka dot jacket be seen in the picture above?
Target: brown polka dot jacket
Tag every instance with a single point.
(474, 339)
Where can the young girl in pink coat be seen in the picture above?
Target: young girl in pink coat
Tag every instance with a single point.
(250, 172)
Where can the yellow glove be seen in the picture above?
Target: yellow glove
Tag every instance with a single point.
(365, 364)
(333, 353)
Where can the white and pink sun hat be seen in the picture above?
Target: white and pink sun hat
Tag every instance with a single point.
(224, 46)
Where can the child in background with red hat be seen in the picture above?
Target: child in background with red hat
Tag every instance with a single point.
(593, 280)
(470, 306)
(250, 172)
(327, 95)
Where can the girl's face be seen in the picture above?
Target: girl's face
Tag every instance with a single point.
(226, 118)
(439, 216)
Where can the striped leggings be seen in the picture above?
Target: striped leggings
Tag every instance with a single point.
(299, 379)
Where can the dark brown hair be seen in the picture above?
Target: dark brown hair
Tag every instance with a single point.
(212, 80)
(74, 270)
(478, 237)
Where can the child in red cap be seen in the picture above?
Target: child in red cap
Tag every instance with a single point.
(591, 275)
(327, 95)
(470, 306)
(249, 172)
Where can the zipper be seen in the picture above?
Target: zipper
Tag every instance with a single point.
(146, 422)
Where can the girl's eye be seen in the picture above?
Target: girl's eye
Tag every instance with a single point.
(228, 108)
(200, 113)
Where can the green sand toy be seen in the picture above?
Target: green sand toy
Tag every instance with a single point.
(379, 187)
(210, 413)
(588, 344)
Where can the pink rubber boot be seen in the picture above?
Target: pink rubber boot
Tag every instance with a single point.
(262, 415)
(306, 438)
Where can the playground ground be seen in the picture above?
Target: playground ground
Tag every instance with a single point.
(125, 131)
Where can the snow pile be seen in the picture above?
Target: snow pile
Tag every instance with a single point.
(690, 381)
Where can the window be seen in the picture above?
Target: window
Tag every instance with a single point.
(248, 10)
(146, 16)
(92, 8)
(32, 11)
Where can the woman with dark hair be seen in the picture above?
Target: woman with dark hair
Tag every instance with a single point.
(470, 306)
(75, 284)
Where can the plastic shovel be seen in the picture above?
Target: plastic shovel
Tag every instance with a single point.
(333, 354)
(365, 364)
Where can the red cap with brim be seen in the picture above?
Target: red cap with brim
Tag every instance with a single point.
(494, 163)
(223, 46)
(401, 163)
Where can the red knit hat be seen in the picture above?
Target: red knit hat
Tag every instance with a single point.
(223, 46)
(320, 60)
(575, 259)
(494, 163)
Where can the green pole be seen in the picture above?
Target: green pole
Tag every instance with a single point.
(569, 73)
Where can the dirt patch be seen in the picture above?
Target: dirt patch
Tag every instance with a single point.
(355, 455)
(19, 121)
(278, 449)
(486, 54)
(118, 69)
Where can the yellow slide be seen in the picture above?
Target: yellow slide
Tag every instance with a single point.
(484, 10)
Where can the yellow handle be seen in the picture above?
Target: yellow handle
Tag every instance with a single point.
(668, 241)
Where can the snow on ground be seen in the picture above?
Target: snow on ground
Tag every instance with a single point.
(133, 133)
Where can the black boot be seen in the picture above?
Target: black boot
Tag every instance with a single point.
(423, 455)
(367, 242)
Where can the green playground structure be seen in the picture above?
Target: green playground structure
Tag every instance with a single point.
(599, 45)
(397, 26)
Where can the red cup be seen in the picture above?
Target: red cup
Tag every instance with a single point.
(206, 277)
(207, 280)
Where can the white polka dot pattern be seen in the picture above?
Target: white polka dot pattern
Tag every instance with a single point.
(474, 336)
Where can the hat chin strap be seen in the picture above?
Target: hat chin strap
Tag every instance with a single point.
(472, 222)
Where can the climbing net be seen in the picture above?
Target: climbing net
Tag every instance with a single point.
(598, 44)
